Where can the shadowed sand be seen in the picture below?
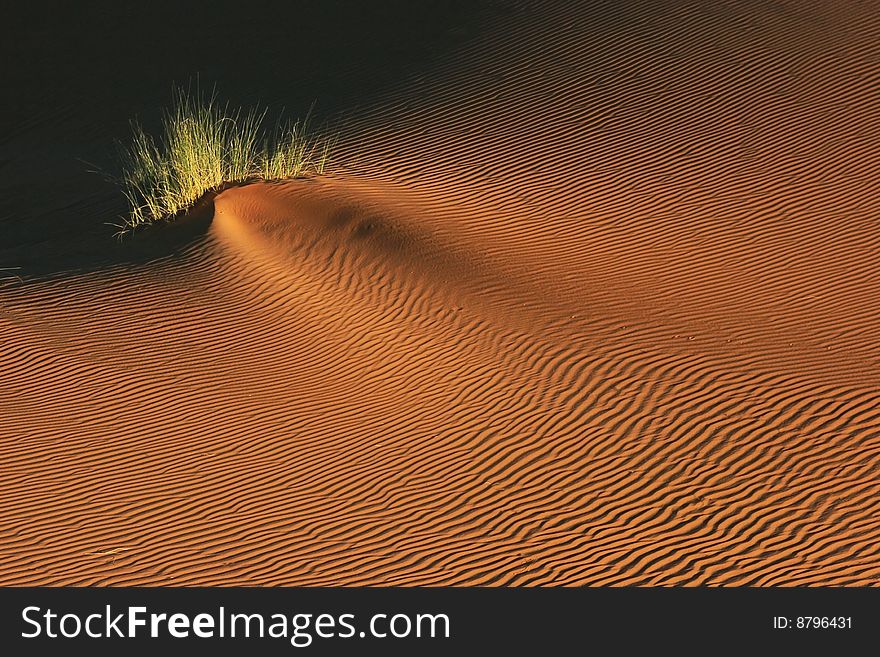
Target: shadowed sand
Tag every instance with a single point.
(596, 304)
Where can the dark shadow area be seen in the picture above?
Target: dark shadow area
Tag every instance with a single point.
(75, 77)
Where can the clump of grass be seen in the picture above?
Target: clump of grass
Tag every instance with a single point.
(205, 146)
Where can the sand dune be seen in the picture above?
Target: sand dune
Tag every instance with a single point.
(592, 303)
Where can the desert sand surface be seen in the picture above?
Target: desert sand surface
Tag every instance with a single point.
(589, 297)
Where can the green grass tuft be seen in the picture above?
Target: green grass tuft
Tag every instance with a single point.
(205, 146)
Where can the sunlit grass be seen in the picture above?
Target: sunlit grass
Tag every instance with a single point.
(205, 146)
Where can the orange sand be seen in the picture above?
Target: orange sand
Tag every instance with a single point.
(584, 310)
